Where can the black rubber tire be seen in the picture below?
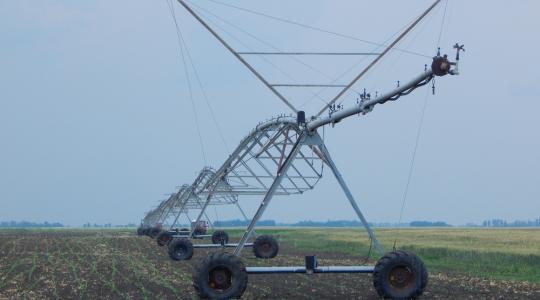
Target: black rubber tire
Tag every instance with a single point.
(164, 238)
(219, 276)
(219, 237)
(400, 275)
(154, 231)
(139, 231)
(146, 231)
(180, 249)
(265, 247)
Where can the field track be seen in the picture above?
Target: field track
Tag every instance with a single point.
(117, 264)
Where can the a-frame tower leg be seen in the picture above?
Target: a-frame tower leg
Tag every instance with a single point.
(328, 160)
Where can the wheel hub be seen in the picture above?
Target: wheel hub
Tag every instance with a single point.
(266, 248)
(180, 251)
(220, 279)
(401, 277)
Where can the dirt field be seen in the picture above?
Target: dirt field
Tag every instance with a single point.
(116, 264)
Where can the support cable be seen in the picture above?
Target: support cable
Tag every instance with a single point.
(313, 27)
(239, 57)
(386, 50)
(413, 158)
(418, 135)
(363, 59)
(186, 70)
(205, 96)
(310, 53)
(419, 30)
(262, 42)
(442, 24)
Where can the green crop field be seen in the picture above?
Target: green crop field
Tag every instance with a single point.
(117, 264)
(511, 254)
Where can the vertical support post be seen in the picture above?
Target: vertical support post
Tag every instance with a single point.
(349, 195)
(244, 215)
(203, 209)
(242, 211)
(176, 219)
(282, 171)
(168, 207)
(182, 209)
(166, 216)
(209, 221)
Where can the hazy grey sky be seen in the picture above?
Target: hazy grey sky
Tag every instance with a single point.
(96, 123)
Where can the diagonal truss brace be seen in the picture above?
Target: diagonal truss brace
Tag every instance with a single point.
(312, 140)
(386, 50)
(237, 55)
(272, 87)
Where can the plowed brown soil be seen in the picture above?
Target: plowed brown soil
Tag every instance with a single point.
(110, 264)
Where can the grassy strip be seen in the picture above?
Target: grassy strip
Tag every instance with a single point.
(494, 264)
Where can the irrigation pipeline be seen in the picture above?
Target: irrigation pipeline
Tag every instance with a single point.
(368, 105)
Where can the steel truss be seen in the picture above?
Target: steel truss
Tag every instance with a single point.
(188, 197)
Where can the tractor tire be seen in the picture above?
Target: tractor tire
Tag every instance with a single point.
(219, 276)
(154, 231)
(140, 231)
(146, 231)
(164, 238)
(220, 237)
(265, 246)
(180, 249)
(400, 275)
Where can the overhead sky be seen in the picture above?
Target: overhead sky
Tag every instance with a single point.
(96, 122)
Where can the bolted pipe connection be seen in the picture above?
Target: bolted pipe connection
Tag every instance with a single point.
(440, 65)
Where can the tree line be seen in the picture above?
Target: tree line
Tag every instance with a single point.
(26, 224)
(305, 223)
(329, 223)
(517, 223)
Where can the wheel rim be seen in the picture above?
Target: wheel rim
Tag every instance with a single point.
(221, 238)
(220, 279)
(401, 277)
(179, 251)
(266, 248)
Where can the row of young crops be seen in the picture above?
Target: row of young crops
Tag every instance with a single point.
(116, 264)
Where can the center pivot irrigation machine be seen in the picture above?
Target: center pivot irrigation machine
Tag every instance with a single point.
(286, 156)
(207, 189)
(179, 203)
